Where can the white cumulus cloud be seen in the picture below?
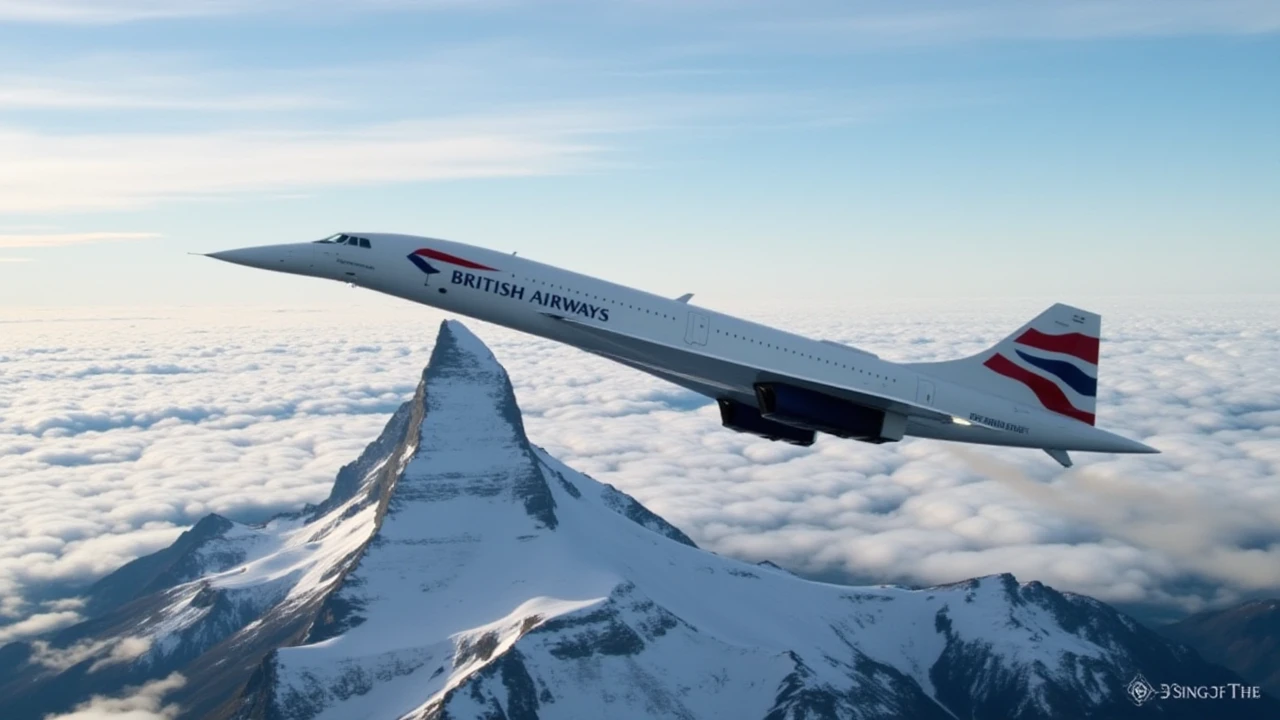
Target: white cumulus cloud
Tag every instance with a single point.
(36, 624)
(107, 652)
(145, 702)
(118, 429)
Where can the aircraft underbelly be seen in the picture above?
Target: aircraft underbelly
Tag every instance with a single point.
(737, 383)
(716, 378)
(710, 376)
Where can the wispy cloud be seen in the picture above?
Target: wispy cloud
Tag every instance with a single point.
(113, 11)
(97, 171)
(122, 11)
(145, 702)
(106, 77)
(863, 25)
(111, 651)
(860, 21)
(38, 624)
(52, 94)
(44, 240)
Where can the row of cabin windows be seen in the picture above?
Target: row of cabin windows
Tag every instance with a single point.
(346, 240)
(601, 298)
(718, 332)
(811, 357)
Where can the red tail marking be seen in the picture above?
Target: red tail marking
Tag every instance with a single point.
(1073, 344)
(1050, 395)
(452, 259)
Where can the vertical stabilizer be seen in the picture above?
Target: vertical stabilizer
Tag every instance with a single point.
(1051, 362)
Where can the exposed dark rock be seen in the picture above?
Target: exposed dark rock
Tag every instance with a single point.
(481, 649)
(973, 680)
(641, 515)
(163, 569)
(1244, 638)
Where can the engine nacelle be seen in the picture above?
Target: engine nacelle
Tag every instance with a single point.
(812, 410)
(745, 418)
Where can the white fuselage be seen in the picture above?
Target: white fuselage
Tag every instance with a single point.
(709, 352)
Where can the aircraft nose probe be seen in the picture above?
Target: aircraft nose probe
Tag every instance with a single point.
(294, 258)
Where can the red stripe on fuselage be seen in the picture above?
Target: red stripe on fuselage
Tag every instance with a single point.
(1073, 344)
(1050, 395)
(453, 259)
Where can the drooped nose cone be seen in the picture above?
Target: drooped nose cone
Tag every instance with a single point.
(293, 258)
(265, 257)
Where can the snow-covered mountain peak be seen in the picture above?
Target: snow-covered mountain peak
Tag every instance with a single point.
(457, 571)
(471, 442)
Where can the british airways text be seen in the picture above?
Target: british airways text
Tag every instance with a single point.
(517, 292)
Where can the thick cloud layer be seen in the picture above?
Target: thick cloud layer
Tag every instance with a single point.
(119, 429)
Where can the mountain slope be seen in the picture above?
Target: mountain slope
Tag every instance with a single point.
(458, 571)
(1244, 638)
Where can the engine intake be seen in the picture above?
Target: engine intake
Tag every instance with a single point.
(812, 410)
(746, 419)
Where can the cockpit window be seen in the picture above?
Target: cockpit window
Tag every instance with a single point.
(344, 239)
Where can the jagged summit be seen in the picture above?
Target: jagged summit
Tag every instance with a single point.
(191, 555)
(458, 571)
(470, 404)
(470, 392)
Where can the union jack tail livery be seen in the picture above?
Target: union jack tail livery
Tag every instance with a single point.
(1051, 362)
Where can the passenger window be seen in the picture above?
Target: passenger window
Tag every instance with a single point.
(364, 243)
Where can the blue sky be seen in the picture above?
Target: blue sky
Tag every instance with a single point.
(747, 151)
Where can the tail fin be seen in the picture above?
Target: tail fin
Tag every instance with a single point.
(1051, 362)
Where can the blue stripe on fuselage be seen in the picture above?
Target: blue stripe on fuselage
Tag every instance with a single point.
(1066, 372)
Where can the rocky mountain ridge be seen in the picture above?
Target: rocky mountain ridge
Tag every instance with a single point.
(1244, 638)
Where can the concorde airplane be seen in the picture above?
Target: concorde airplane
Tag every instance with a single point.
(1037, 388)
